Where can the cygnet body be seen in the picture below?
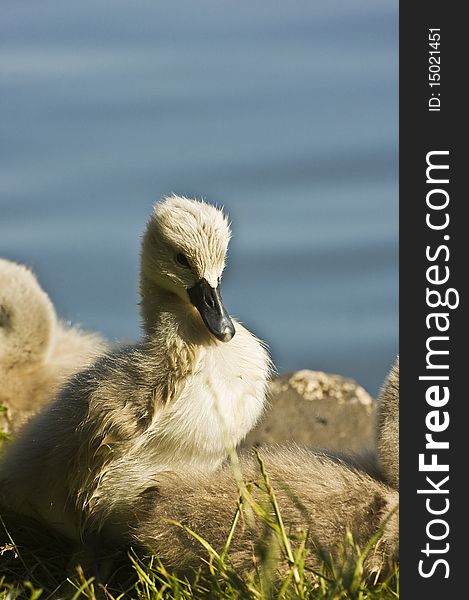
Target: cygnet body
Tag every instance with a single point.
(193, 387)
(38, 352)
(320, 493)
(387, 427)
(316, 493)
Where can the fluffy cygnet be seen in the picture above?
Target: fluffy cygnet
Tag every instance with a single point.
(38, 353)
(193, 387)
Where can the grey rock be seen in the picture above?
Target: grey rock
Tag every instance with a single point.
(317, 409)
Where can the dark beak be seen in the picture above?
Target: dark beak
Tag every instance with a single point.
(208, 302)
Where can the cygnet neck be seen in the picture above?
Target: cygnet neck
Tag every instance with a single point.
(163, 310)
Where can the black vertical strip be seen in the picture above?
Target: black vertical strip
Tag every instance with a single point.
(433, 270)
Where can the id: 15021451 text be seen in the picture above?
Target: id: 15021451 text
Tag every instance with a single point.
(434, 68)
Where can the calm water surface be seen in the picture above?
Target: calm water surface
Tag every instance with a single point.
(285, 113)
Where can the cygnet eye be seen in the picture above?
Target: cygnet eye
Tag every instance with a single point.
(182, 259)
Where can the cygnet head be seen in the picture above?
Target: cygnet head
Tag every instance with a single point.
(27, 317)
(183, 252)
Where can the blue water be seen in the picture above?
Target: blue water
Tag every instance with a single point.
(285, 113)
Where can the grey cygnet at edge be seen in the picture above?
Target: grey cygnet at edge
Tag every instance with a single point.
(387, 429)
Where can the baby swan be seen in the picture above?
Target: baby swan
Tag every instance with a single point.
(316, 493)
(38, 353)
(192, 387)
